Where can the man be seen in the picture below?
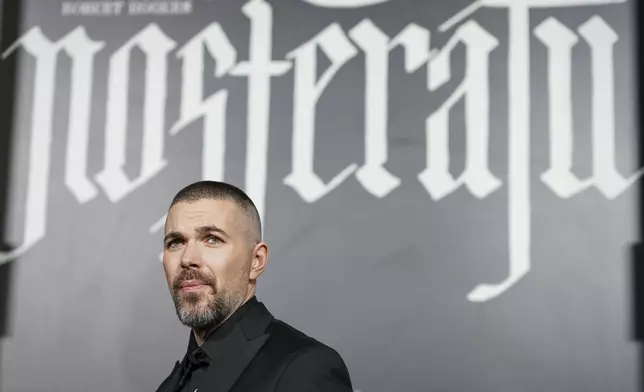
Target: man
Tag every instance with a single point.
(213, 255)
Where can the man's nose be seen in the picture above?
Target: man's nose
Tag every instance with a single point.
(191, 255)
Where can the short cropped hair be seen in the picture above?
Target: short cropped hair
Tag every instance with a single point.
(216, 190)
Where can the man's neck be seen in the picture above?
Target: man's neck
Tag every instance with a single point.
(200, 335)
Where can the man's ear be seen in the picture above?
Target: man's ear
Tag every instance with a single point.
(260, 259)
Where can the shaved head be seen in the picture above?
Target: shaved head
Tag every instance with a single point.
(215, 190)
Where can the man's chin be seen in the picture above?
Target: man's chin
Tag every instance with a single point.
(194, 303)
(196, 323)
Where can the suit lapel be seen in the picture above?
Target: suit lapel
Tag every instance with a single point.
(231, 356)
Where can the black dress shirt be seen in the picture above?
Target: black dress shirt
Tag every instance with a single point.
(198, 359)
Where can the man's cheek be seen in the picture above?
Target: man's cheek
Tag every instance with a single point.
(214, 258)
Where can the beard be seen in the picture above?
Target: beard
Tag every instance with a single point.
(206, 308)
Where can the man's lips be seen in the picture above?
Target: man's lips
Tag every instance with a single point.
(192, 285)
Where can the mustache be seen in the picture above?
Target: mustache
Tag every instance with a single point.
(196, 276)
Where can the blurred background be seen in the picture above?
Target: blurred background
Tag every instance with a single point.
(450, 189)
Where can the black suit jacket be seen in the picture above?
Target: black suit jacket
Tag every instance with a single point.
(262, 354)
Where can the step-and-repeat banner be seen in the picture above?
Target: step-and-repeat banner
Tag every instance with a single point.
(448, 188)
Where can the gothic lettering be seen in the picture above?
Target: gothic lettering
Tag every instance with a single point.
(339, 48)
(307, 91)
(519, 203)
(81, 49)
(259, 69)
(601, 39)
(560, 40)
(212, 109)
(376, 45)
(475, 89)
(156, 46)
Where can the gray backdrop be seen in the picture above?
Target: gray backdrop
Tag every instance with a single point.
(535, 182)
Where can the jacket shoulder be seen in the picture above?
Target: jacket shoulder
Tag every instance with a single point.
(289, 348)
(307, 364)
(287, 343)
(290, 339)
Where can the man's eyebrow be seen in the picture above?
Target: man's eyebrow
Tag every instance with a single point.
(172, 235)
(210, 229)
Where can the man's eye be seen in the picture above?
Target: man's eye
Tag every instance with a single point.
(213, 240)
(173, 243)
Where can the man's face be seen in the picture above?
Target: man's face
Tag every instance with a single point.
(209, 262)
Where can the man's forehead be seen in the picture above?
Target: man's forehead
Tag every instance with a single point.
(188, 216)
